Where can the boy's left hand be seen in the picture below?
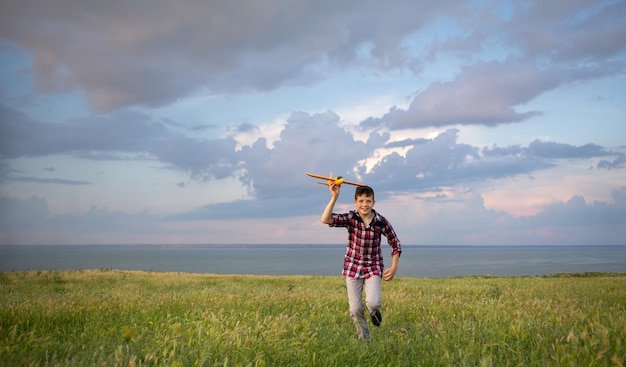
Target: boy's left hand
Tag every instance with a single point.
(388, 274)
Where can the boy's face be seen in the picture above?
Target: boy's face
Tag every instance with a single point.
(364, 204)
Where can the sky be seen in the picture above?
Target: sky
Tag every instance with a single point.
(194, 122)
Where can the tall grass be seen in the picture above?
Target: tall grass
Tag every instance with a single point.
(121, 318)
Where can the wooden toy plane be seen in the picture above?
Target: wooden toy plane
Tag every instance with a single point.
(337, 180)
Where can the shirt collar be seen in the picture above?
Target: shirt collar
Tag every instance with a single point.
(357, 217)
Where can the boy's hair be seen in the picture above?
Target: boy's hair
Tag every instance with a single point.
(363, 190)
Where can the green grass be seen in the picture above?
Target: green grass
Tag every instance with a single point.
(121, 318)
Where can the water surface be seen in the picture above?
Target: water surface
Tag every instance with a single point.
(416, 261)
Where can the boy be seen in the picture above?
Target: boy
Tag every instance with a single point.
(363, 262)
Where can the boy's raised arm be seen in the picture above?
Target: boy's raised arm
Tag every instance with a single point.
(327, 215)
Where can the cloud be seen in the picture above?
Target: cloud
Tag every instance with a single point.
(545, 46)
(549, 150)
(260, 209)
(124, 131)
(20, 215)
(308, 142)
(203, 159)
(577, 212)
(405, 143)
(31, 221)
(47, 180)
(154, 53)
(552, 149)
(472, 63)
(580, 222)
(618, 162)
(120, 135)
(316, 143)
(8, 174)
(313, 143)
(484, 94)
(569, 32)
(443, 161)
(456, 220)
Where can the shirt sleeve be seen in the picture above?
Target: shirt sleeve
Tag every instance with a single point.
(392, 238)
(340, 220)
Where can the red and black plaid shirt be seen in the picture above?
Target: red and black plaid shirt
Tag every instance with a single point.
(363, 253)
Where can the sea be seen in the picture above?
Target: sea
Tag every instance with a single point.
(323, 260)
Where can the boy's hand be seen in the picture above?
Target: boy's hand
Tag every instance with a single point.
(334, 189)
(389, 273)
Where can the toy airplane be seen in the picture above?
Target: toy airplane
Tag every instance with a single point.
(337, 180)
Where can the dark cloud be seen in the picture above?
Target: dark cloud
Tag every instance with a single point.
(569, 31)
(618, 162)
(123, 135)
(372, 123)
(483, 94)
(619, 197)
(8, 174)
(550, 149)
(124, 131)
(204, 159)
(246, 127)
(154, 53)
(47, 180)
(203, 127)
(6, 171)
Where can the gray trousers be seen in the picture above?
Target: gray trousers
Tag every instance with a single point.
(373, 301)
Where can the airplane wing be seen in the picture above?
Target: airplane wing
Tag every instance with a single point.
(354, 183)
(320, 177)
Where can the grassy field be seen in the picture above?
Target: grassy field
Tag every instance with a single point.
(121, 318)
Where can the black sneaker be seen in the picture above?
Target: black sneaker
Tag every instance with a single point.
(377, 318)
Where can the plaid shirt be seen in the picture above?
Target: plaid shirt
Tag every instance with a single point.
(363, 254)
